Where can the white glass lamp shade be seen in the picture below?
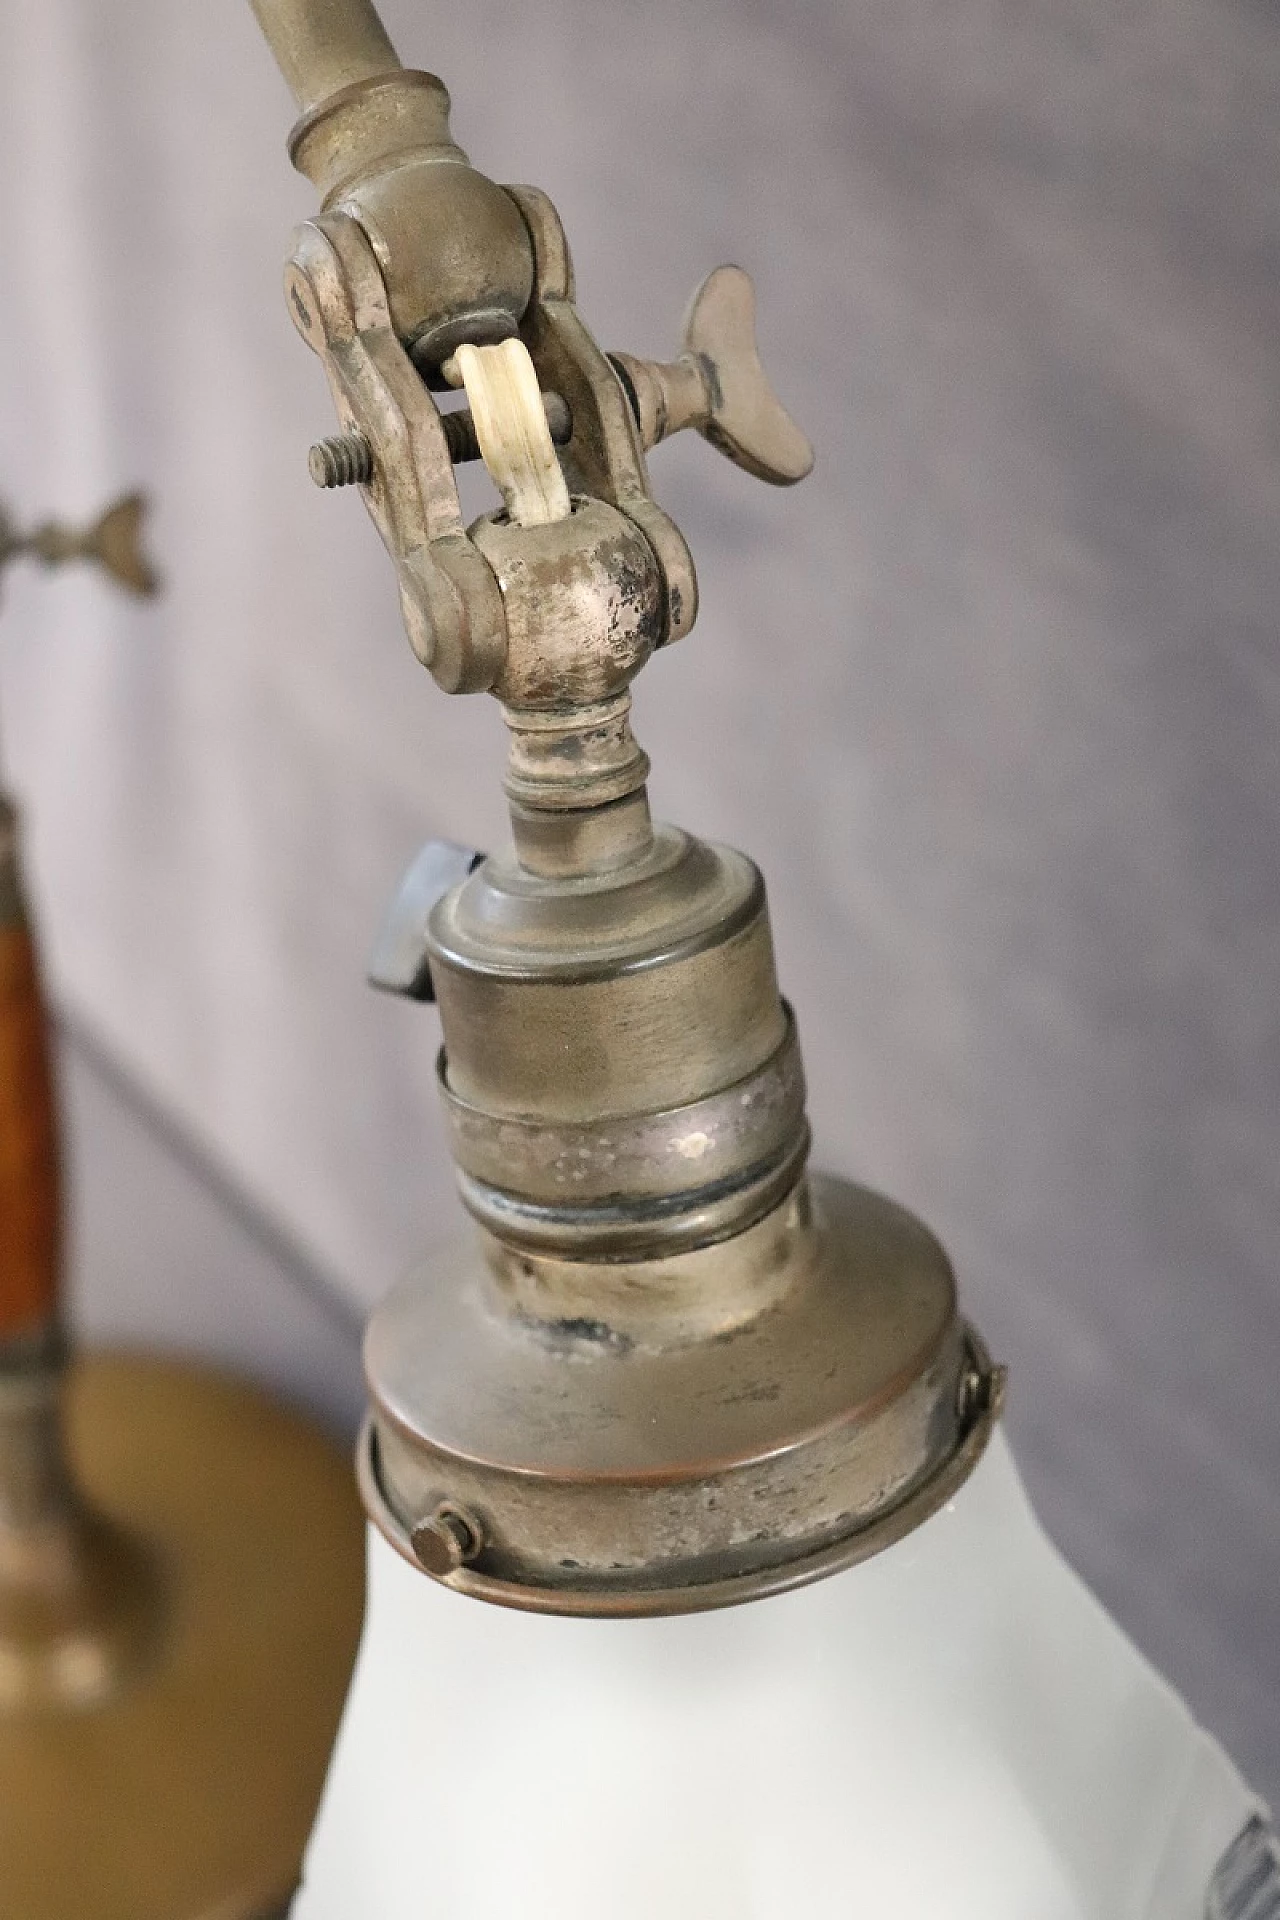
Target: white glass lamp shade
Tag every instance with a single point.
(952, 1729)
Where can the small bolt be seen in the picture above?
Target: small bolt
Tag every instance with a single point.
(447, 1540)
(979, 1393)
(969, 1396)
(460, 429)
(344, 461)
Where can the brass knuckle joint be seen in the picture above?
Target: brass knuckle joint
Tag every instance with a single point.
(457, 257)
(417, 255)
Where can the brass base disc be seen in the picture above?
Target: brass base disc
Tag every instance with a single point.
(189, 1794)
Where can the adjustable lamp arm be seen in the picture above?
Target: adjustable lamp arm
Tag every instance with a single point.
(323, 46)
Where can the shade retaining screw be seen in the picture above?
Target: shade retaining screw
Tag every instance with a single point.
(978, 1393)
(345, 460)
(447, 1540)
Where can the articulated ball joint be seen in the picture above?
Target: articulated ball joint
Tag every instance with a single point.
(459, 258)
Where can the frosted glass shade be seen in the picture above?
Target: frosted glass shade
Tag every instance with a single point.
(954, 1728)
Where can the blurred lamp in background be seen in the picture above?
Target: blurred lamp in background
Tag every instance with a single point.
(701, 1582)
(179, 1558)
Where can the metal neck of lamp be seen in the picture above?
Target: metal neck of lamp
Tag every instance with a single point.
(670, 1370)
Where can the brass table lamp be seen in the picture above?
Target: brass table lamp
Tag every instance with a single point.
(701, 1582)
(179, 1557)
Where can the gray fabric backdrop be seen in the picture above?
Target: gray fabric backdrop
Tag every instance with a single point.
(993, 698)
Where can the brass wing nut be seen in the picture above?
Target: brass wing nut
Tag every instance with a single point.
(113, 541)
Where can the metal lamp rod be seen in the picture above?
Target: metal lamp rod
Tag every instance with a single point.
(323, 46)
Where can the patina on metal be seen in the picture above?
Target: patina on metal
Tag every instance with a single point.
(666, 1370)
(180, 1559)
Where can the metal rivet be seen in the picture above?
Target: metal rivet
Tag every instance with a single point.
(969, 1396)
(447, 1540)
(344, 461)
(979, 1393)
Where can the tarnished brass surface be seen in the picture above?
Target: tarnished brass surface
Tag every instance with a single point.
(325, 45)
(727, 1588)
(644, 987)
(666, 1372)
(703, 1421)
(697, 1216)
(381, 153)
(187, 1792)
(638, 1156)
